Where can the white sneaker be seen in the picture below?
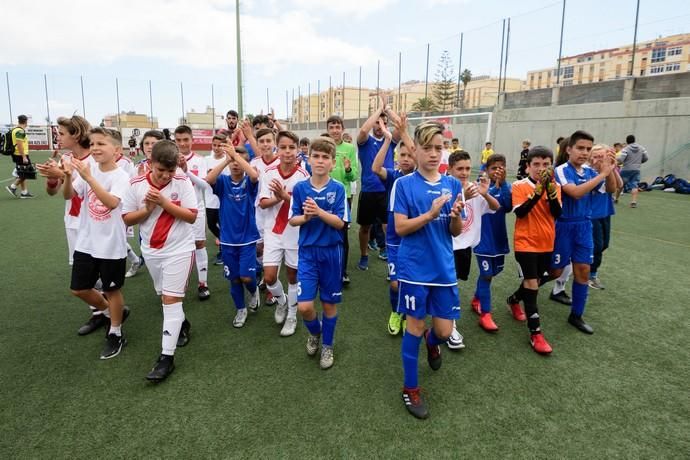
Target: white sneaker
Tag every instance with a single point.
(326, 360)
(313, 344)
(289, 327)
(254, 302)
(240, 318)
(455, 341)
(281, 310)
(133, 270)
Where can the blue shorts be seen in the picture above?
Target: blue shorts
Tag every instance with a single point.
(573, 243)
(418, 301)
(490, 266)
(631, 180)
(392, 261)
(319, 267)
(239, 261)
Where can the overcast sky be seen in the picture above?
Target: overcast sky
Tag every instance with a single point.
(286, 44)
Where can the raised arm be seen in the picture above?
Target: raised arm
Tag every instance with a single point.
(369, 124)
(377, 166)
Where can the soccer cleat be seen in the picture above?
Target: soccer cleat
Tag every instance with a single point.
(113, 346)
(254, 302)
(595, 283)
(414, 402)
(363, 263)
(162, 369)
(580, 324)
(456, 340)
(561, 297)
(204, 293)
(383, 255)
(516, 309)
(373, 246)
(219, 260)
(346, 279)
(313, 344)
(26, 195)
(11, 191)
(270, 300)
(394, 323)
(539, 344)
(326, 361)
(94, 323)
(183, 339)
(476, 306)
(487, 323)
(633, 204)
(240, 318)
(289, 327)
(133, 269)
(281, 310)
(433, 353)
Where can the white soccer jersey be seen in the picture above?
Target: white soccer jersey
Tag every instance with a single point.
(260, 165)
(162, 234)
(196, 164)
(102, 230)
(212, 201)
(471, 233)
(276, 226)
(73, 206)
(127, 165)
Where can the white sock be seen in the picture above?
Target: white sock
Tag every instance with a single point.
(559, 285)
(173, 317)
(131, 256)
(106, 313)
(95, 311)
(292, 300)
(276, 290)
(202, 265)
(117, 330)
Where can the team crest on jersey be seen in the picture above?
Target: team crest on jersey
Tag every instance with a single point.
(97, 210)
(445, 191)
(174, 196)
(330, 197)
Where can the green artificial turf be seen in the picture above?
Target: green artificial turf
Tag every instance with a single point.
(622, 392)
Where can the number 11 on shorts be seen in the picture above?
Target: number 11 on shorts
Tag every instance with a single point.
(410, 303)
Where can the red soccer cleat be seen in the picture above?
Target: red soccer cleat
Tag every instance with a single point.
(516, 310)
(539, 344)
(487, 322)
(476, 306)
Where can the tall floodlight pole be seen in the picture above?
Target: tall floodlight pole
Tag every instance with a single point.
(151, 104)
(634, 48)
(213, 111)
(239, 60)
(9, 96)
(560, 48)
(83, 104)
(399, 81)
(45, 85)
(184, 116)
(117, 96)
(459, 70)
(500, 66)
(426, 78)
(505, 65)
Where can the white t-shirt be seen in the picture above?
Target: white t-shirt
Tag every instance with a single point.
(212, 201)
(196, 164)
(475, 208)
(101, 230)
(73, 206)
(261, 166)
(162, 235)
(127, 165)
(276, 227)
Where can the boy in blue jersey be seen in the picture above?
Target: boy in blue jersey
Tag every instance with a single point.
(602, 210)
(238, 233)
(406, 165)
(493, 243)
(574, 226)
(319, 208)
(427, 209)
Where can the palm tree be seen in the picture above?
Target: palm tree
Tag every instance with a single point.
(466, 78)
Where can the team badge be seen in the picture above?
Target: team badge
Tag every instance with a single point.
(174, 196)
(330, 197)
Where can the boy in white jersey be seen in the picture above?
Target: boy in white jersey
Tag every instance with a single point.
(195, 168)
(101, 246)
(280, 239)
(163, 203)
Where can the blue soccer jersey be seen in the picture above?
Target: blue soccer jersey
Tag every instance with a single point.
(602, 203)
(367, 152)
(494, 239)
(237, 213)
(392, 238)
(426, 256)
(331, 198)
(573, 209)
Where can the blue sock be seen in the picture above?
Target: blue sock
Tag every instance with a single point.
(251, 286)
(313, 326)
(579, 298)
(328, 330)
(483, 294)
(409, 352)
(432, 339)
(237, 294)
(592, 275)
(394, 299)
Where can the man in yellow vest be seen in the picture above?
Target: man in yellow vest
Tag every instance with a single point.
(20, 141)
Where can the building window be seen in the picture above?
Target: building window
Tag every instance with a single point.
(568, 83)
(655, 69)
(675, 51)
(568, 72)
(658, 54)
(673, 67)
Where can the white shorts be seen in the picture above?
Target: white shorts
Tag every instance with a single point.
(71, 241)
(199, 227)
(170, 274)
(274, 255)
